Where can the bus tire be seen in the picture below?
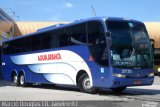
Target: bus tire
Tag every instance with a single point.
(22, 81)
(84, 84)
(118, 90)
(15, 80)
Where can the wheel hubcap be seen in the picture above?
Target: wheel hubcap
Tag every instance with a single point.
(15, 79)
(22, 80)
(86, 83)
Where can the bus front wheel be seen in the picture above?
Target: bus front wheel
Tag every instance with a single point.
(84, 84)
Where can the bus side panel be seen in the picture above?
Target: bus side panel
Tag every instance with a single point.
(8, 67)
(32, 77)
(101, 75)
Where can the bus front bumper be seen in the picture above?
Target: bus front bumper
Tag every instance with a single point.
(125, 82)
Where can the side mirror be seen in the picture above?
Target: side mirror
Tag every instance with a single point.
(109, 39)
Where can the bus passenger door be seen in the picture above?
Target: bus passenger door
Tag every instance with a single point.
(99, 51)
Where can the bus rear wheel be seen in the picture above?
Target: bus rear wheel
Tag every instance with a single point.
(22, 80)
(118, 90)
(15, 80)
(84, 84)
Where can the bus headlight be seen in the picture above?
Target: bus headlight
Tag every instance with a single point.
(151, 74)
(118, 75)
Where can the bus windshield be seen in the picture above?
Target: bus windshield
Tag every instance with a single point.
(131, 46)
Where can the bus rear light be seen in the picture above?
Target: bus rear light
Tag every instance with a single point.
(118, 75)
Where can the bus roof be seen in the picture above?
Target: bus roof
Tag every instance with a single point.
(42, 30)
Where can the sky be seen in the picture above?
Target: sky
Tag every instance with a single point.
(70, 10)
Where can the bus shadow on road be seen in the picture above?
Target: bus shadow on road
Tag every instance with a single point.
(137, 91)
(104, 92)
(55, 87)
(130, 92)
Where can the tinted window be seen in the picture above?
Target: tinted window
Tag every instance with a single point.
(97, 42)
(99, 52)
(95, 30)
(117, 25)
(35, 43)
(46, 40)
(78, 34)
(130, 44)
(74, 35)
(15, 46)
(62, 38)
(7, 47)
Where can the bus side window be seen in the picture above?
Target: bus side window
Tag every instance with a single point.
(7, 49)
(62, 38)
(95, 30)
(35, 43)
(17, 46)
(46, 40)
(26, 44)
(78, 34)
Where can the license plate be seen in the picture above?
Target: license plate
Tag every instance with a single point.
(137, 82)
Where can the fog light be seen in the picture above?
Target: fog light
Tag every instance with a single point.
(118, 75)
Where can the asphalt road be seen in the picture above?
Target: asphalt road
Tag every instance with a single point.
(141, 96)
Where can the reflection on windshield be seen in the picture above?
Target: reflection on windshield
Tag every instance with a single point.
(130, 45)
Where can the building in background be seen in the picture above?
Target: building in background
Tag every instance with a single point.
(7, 26)
(23, 28)
(154, 33)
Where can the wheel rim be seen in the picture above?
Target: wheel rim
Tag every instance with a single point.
(86, 83)
(15, 79)
(22, 79)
